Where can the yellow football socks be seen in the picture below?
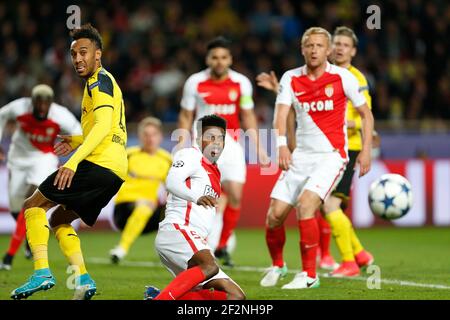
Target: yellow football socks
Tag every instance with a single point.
(135, 224)
(70, 246)
(37, 234)
(340, 228)
(356, 244)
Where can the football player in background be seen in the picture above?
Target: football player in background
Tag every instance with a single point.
(31, 157)
(222, 91)
(194, 188)
(318, 91)
(137, 199)
(344, 49)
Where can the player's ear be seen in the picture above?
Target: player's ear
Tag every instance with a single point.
(353, 53)
(98, 54)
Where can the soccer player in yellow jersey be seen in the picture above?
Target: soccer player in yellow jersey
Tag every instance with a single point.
(137, 200)
(352, 252)
(88, 180)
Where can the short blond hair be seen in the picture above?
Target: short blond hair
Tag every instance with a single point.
(316, 30)
(346, 31)
(149, 121)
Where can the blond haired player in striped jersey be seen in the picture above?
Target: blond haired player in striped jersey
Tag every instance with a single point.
(344, 49)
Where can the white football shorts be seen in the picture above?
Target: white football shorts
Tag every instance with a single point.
(22, 176)
(176, 244)
(318, 172)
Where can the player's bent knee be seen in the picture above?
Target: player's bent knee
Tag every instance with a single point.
(210, 269)
(236, 294)
(273, 221)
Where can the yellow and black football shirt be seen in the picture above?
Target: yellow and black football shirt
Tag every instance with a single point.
(354, 134)
(146, 172)
(104, 136)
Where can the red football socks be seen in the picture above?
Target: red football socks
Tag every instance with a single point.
(325, 235)
(275, 239)
(205, 294)
(230, 220)
(309, 242)
(182, 284)
(18, 235)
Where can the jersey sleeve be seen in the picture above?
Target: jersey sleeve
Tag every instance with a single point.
(68, 123)
(189, 92)
(351, 88)
(185, 164)
(102, 125)
(284, 91)
(102, 91)
(246, 99)
(11, 111)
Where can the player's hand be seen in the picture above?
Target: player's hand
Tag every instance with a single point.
(268, 81)
(207, 201)
(63, 148)
(63, 178)
(284, 157)
(2, 154)
(263, 159)
(363, 161)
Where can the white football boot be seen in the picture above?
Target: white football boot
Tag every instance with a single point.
(117, 254)
(272, 275)
(302, 281)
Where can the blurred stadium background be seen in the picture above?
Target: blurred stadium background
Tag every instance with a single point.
(151, 48)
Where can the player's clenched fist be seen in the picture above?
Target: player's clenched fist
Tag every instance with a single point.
(207, 201)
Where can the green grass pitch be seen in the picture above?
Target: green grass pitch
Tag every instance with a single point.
(414, 264)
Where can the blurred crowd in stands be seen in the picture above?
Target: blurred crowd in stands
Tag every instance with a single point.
(151, 47)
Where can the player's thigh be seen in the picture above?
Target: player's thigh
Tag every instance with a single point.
(17, 188)
(41, 167)
(122, 212)
(177, 245)
(232, 163)
(38, 200)
(308, 202)
(233, 189)
(341, 193)
(62, 216)
(326, 174)
(234, 292)
(332, 203)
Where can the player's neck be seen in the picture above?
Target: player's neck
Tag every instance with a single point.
(316, 72)
(345, 65)
(97, 67)
(216, 77)
(150, 151)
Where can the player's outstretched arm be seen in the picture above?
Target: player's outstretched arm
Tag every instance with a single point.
(185, 119)
(364, 157)
(268, 81)
(183, 167)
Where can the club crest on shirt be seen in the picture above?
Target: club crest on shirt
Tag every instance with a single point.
(178, 164)
(233, 95)
(209, 191)
(329, 90)
(50, 131)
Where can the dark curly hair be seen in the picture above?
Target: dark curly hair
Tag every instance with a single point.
(89, 32)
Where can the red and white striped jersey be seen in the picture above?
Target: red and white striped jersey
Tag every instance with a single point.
(224, 98)
(33, 137)
(320, 107)
(191, 177)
